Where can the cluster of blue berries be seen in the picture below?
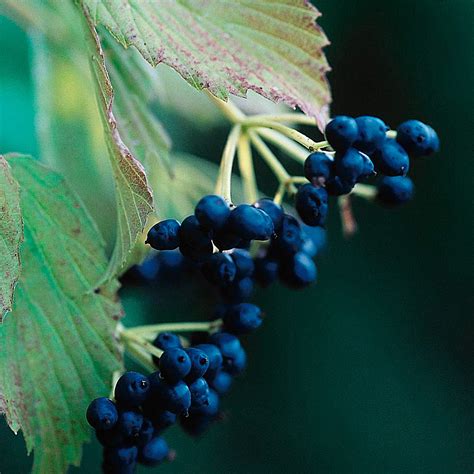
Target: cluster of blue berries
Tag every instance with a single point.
(362, 149)
(186, 388)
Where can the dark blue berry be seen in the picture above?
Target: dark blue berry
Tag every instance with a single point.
(250, 223)
(368, 168)
(120, 460)
(371, 134)
(237, 365)
(199, 363)
(195, 241)
(219, 269)
(394, 190)
(199, 393)
(161, 419)
(266, 271)
(314, 240)
(230, 347)
(312, 204)
(210, 409)
(318, 167)
(164, 235)
(274, 210)
(240, 290)
(102, 414)
(243, 262)
(341, 132)
(299, 271)
(222, 382)
(175, 398)
(130, 423)
(391, 159)
(349, 166)
(174, 364)
(242, 318)
(154, 452)
(212, 212)
(167, 340)
(146, 432)
(225, 240)
(201, 418)
(132, 389)
(417, 138)
(289, 238)
(215, 358)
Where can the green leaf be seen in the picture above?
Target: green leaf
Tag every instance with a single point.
(11, 235)
(133, 195)
(58, 349)
(273, 47)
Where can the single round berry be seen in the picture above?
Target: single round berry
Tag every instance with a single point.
(349, 166)
(201, 418)
(210, 409)
(230, 347)
(132, 389)
(175, 398)
(242, 318)
(336, 186)
(289, 238)
(312, 204)
(318, 167)
(394, 190)
(199, 393)
(222, 382)
(243, 263)
(215, 358)
(154, 452)
(146, 432)
(167, 340)
(195, 241)
(164, 235)
(250, 223)
(161, 419)
(341, 132)
(199, 363)
(120, 460)
(240, 290)
(371, 134)
(130, 423)
(274, 210)
(368, 168)
(391, 159)
(174, 364)
(212, 212)
(266, 271)
(417, 138)
(314, 240)
(219, 269)
(238, 364)
(298, 272)
(102, 414)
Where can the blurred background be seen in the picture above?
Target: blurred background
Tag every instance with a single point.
(371, 370)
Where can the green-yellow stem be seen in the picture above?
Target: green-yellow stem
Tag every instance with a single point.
(247, 171)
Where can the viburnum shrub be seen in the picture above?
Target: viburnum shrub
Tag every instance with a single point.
(110, 195)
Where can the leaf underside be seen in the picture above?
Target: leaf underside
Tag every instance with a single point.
(273, 47)
(58, 350)
(11, 235)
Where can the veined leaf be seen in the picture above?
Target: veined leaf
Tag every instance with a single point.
(273, 47)
(58, 350)
(11, 235)
(133, 195)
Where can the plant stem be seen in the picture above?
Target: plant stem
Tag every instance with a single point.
(292, 149)
(287, 187)
(296, 118)
(224, 181)
(140, 356)
(153, 329)
(233, 113)
(365, 191)
(246, 168)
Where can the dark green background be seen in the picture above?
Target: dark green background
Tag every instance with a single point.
(371, 371)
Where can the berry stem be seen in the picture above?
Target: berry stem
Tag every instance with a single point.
(139, 355)
(224, 180)
(151, 330)
(365, 191)
(247, 171)
(296, 118)
(233, 113)
(292, 149)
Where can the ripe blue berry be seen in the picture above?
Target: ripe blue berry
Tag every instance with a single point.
(243, 263)
(238, 364)
(230, 347)
(289, 238)
(371, 134)
(212, 212)
(242, 318)
(225, 240)
(318, 167)
(132, 389)
(266, 271)
(250, 223)
(199, 363)
(391, 159)
(215, 358)
(201, 418)
(167, 340)
(349, 166)
(314, 240)
(195, 241)
(120, 460)
(274, 210)
(417, 138)
(102, 414)
(210, 409)
(154, 452)
(130, 423)
(312, 204)
(368, 168)
(341, 132)
(199, 393)
(394, 190)
(336, 186)
(175, 398)
(161, 419)
(174, 364)
(146, 432)
(219, 269)
(298, 272)
(240, 290)
(222, 382)
(164, 235)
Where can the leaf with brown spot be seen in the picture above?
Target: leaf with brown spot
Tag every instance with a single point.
(11, 235)
(58, 346)
(273, 47)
